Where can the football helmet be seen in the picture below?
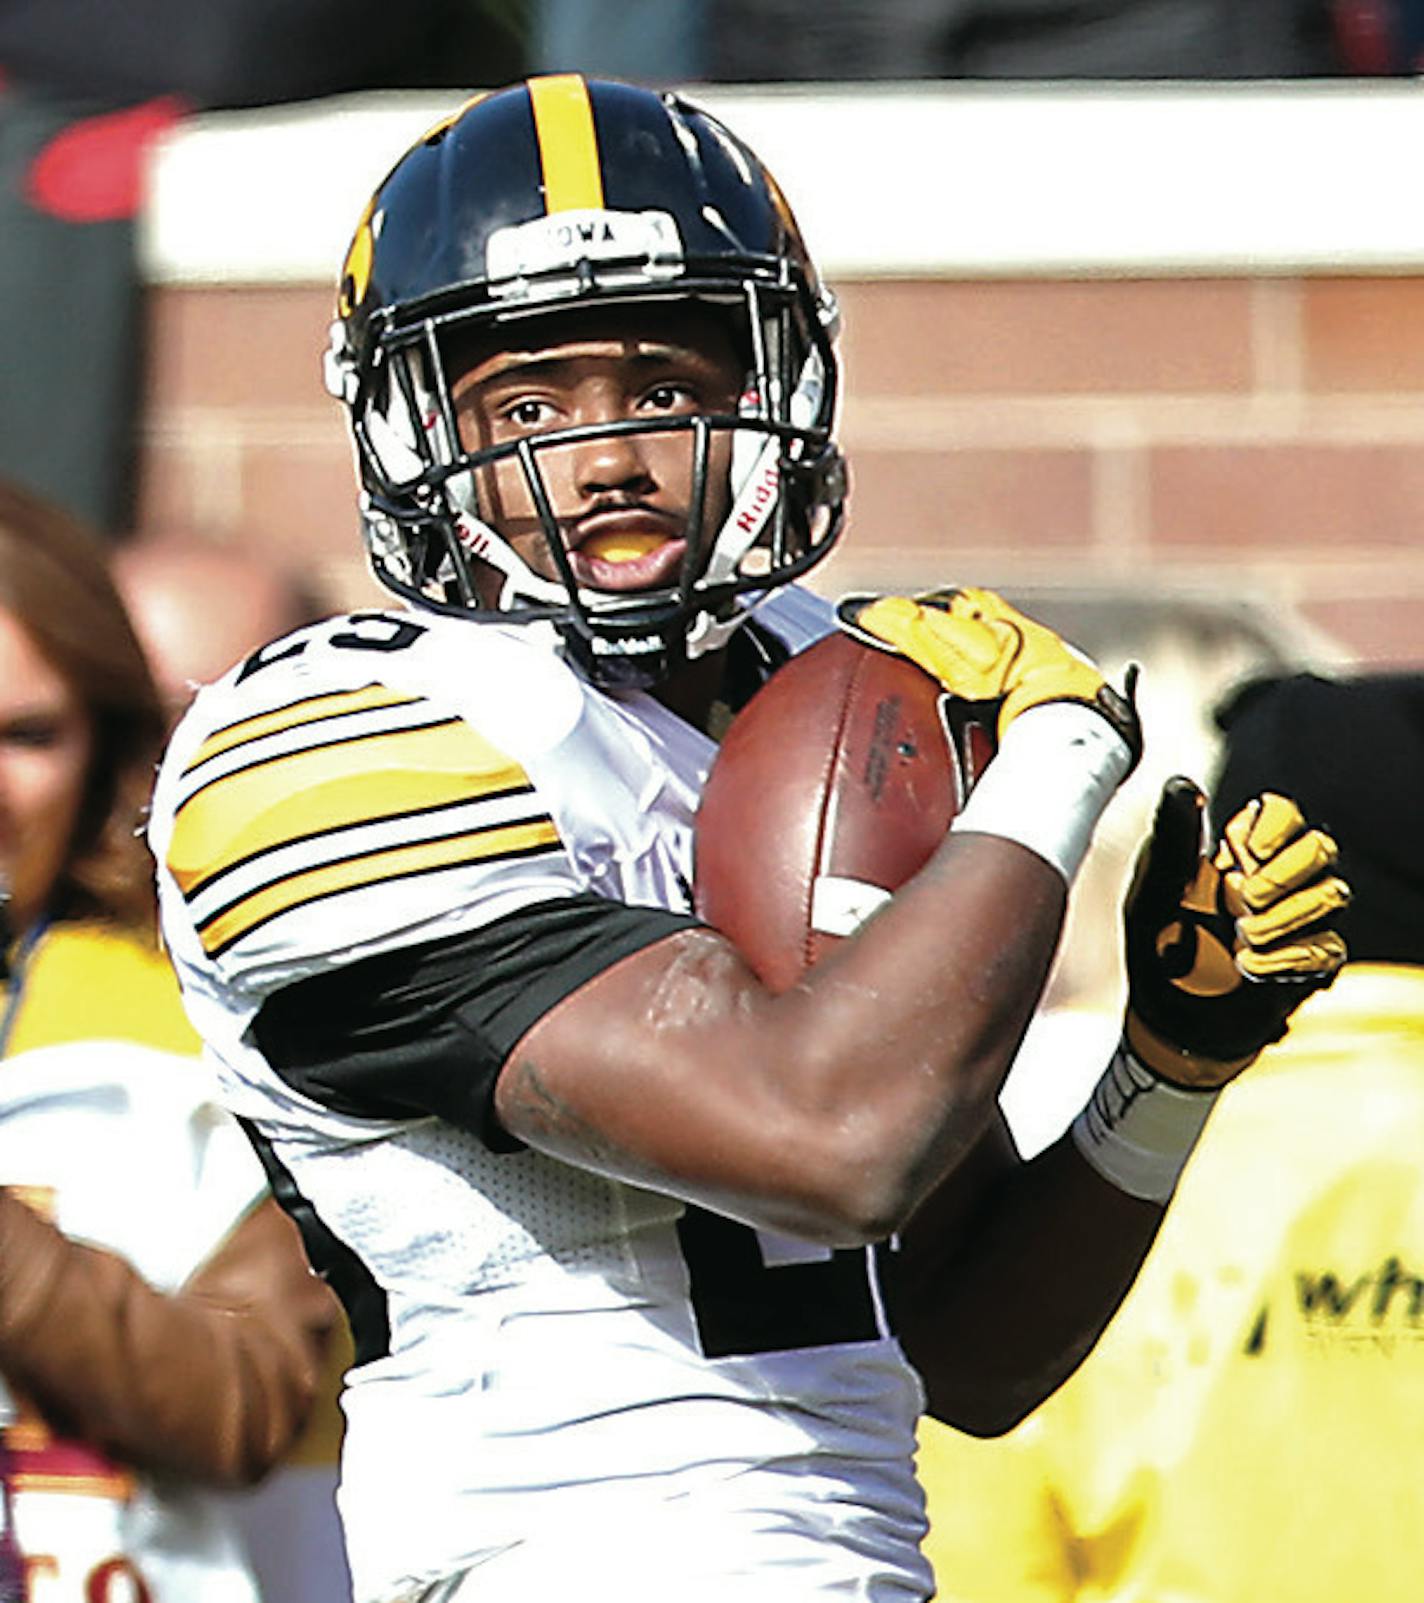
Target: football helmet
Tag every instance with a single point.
(564, 192)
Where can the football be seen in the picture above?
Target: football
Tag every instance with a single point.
(832, 786)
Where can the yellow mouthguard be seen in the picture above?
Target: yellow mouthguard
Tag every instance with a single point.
(620, 547)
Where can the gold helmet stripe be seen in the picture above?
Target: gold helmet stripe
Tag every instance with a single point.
(568, 144)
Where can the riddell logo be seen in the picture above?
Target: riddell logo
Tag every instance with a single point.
(1375, 1311)
(757, 501)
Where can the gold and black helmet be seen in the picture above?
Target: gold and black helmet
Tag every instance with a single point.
(564, 192)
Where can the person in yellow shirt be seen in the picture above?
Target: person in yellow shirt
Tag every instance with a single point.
(1248, 1426)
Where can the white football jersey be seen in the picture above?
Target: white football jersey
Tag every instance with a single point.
(558, 1375)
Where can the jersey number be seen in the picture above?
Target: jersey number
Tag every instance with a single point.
(366, 631)
(746, 1301)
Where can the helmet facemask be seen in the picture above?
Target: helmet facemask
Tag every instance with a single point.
(433, 539)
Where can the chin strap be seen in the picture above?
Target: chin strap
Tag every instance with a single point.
(756, 474)
(519, 582)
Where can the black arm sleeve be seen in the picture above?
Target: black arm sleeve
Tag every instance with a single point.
(427, 1029)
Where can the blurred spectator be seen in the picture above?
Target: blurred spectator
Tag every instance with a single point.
(161, 1334)
(85, 88)
(772, 40)
(254, 52)
(1248, 1426)
(644, 41)
(199, 608)
(1380, 36)
(69, 305)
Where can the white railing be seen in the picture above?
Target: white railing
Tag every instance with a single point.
(958, 180)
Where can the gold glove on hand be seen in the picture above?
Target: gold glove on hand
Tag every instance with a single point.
(982, 649)
(1221, 950)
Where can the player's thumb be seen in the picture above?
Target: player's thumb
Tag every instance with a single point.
(1170, 858)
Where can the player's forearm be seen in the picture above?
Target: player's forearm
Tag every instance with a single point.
(212, 1383)
(999, 1305)
(829, 1110)
(908, 1033)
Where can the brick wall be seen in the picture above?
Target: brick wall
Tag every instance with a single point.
(1201, 435)
(1195, 436)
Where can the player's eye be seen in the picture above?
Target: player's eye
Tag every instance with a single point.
(669, 398)
(528, 413)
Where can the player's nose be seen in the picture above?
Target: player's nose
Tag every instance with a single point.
(606, 462)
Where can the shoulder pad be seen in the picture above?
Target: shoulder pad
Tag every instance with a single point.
(320, 808)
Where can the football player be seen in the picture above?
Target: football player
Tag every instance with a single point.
(635, 1251)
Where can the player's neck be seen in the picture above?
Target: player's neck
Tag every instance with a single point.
(693, 691)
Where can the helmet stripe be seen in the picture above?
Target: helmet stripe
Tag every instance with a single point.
(568, 144)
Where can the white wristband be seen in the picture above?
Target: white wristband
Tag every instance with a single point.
(1055, 771)
(1138, 1130)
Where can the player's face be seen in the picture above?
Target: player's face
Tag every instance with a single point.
(45, 746)
(622, 502)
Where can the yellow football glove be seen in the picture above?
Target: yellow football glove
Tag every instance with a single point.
(982, 649)
(1221, 950)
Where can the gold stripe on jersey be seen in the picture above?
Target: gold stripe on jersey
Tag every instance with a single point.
(289, 797)
(310, 710)
(568, 143)
(492, 844)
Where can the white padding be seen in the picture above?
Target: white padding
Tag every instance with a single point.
(1138, 1130)
(839, 906)
(1056, 769)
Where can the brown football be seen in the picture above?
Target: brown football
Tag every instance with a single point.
(832, 787)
